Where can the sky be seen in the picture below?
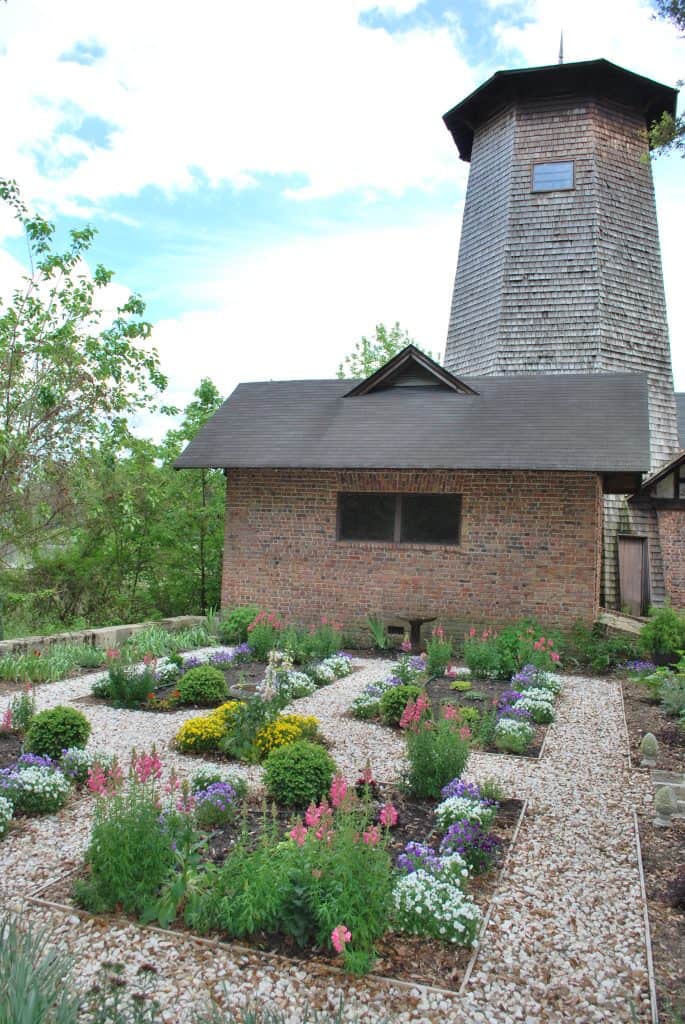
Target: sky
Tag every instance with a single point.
(275, 178)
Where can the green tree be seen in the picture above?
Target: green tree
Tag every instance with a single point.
(195, 512)
(668, 134)
(370, 354)
(66, 369)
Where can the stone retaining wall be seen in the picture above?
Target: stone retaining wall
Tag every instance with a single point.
(107, 636)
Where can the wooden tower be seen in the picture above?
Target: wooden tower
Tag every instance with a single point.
(559, 267)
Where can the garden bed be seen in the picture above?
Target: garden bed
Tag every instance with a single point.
(405, 958)
(439, 691)
(663, 860)
(644, 715)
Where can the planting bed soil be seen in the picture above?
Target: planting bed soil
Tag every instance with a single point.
(403, 957)
(663, 859)
(439, 691)
(10, 749)
(643, 716)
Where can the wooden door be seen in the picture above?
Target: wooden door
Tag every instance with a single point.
(633, 574)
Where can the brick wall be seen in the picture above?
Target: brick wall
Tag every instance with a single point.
(672, 534)
(530, 546)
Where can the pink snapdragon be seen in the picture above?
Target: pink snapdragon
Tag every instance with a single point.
(338, 790)
(413, 712)
(299, 834)
(6, 721)
(554, 656)
(388, 816)
(406, 644)
(147, 766)
(372, 836)
(340, 936)
(449, 711)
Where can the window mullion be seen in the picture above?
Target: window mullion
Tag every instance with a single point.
(398, 518)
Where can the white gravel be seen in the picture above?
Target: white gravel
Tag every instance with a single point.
(565, 941)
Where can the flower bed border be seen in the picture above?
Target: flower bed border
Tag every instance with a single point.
(651, 976)
(37, 897)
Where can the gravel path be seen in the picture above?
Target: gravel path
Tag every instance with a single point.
(565, 941)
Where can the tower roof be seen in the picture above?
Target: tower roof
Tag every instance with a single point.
(596, 77)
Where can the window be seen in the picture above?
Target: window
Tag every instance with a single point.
(680, 479)
(554, 176)
(399, 518)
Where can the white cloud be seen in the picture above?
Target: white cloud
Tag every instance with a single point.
(231, 90)
(298, 310)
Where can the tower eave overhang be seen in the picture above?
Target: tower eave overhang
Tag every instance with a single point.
(598, 78)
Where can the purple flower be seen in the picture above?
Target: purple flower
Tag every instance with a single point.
(220, 795)
(509, 711)
(639, 666)
(394, 681)
(36, 761)
(457, 787)
(478, 848)
(417, 857)
(508, 697)
(222, 658)
(417, 663)
(191, 662)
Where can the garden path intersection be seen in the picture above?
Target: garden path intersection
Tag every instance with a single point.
(565, 941)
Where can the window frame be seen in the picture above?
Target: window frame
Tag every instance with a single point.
(398, 518)
(558, 188)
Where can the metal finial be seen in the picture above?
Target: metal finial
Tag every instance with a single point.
(561, 47)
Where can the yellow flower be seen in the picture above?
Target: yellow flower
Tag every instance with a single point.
(285, 729)
(205, 731)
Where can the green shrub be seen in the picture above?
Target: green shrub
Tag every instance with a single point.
(672, 695)
(233, 628)
(664, 633)
(127, 685)
(129, 855)
(299, 773)
(438, 652)
(204, 686)
(596, 649)
(57, 729)
(394, 701)
(263, 634)
(325, 640)
(437, 754)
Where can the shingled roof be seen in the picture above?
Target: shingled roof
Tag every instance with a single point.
(594, 422)
(680, 413)
(589, 77)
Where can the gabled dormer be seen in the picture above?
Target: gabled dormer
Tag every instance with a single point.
(411, 368)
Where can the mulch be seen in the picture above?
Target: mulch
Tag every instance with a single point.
(10, 749)
(643, 716)
(663, 858)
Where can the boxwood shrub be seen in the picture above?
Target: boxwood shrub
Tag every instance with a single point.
(299, 773)
(56, 729)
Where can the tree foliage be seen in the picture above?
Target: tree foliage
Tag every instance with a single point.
(370, 354)
(667, 135)
(66, 370)
(95, 524)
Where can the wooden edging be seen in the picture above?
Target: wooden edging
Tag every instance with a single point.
(37, 899)
(488, 914)
(654, 1006)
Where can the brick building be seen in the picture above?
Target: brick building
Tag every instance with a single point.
(487, 491)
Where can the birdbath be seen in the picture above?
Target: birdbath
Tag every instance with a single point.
(415, 629)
